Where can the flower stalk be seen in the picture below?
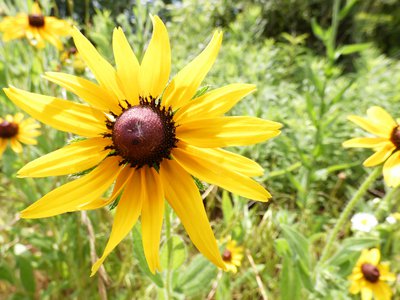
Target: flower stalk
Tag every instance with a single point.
(346, 212)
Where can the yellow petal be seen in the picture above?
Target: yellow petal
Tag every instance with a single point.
(234, 162)
(391, 170)
(123, 178)
(15, 145)
(196, 162)
(127, 66)
(184, 197)
(128, 211)
(18, 117)
(88, 91)
(355, 288)
(51, 38)
(156, 63)
(366, 293)
(365, 142)
(370, 126)
(152, 216)
(227, 131)
(26, 140)
(379, 116)
(61, 114)
(373, 257)
(382, 291)
(385, 275)
(71, 195)
(214, 103)
(184, 85)
(36, 8)
(102, 70)
(3, 146)
(379, 156)
(71, 159)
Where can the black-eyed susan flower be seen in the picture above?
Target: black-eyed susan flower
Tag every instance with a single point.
(14, 130)
(369, 277)
(36, 27)
(385, 143)
(232, 256)
(149, 137)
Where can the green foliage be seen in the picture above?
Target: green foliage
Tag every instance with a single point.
(311, 71)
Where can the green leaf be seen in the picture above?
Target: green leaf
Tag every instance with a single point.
(227, 208)
(178, 255)
(197, 277)
(351, 246)
(139, 254)
(349, 49)
(6, 274)
(26, 274)
(317, 30)
(201, 92)
(300, 258)
(346, 9)
(290, 283)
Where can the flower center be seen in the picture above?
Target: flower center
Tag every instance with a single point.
(395, 137)
(36, 20)
(227, 255)
(8, 130)
(370, 272)
(143, 134)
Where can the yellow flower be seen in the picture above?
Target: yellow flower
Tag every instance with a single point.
(148, 137)
(369, 276)
(232, 256)
(15, 130)
(35, 27)
(386, 143)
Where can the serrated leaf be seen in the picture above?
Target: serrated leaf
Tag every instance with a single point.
(178, 255)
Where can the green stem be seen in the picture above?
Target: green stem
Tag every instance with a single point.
(334, 28)
(168, 292)
(386, 203)
(346, 212)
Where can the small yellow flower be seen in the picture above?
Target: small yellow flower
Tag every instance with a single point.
(369, 276)
(72, 57)
(232, 256)
(36, 27)
(15, 130)
(149, 135)
(386, 143)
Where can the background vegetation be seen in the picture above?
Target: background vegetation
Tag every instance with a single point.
(314, 62)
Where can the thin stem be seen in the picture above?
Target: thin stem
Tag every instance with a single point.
(168, 276)
(346, 212)
(331, 43)
(386, 203)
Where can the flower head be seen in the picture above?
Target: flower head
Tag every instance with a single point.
(36, 27)
(369, 277)
(386, 143)
(14, 131)
(363, 222)
(232, 256)
(149, 137)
